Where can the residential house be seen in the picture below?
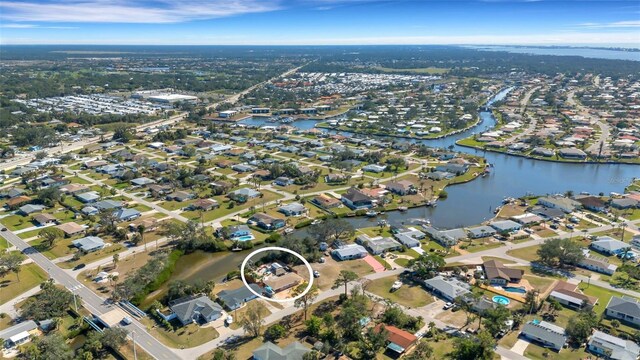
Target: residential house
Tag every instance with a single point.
(127, 214)
(559, 202)
(355, 199)
(598, 263)
(89, 243)
(570, 296)
(498, 274)
(44, 219)
(142, 181)
(180, 196)
(505, 226)
(237, 231)
(326, 201)
(572, 153)
(374, 168)
(11, 193)
(609, 246)
(108, 205)
(242, 168)
(626, 309)
(243, 195)
(267, 222)
(402, 187)
(275, 284)
(478, 232)
(334, 178)
(410, 237)
(448, 289)
(350, 252)
(194, 308)
(453, 168)
(592, 203)
(271, 351)
(611, 347)
(283, 181)
(444, 238)
(293, 209)
(378, 245)
(624, 203)
(204, 204)
(398, 340)
(17, 201)
(71, 229)
(548, 335)
(87, 197)
(73, 188)
(235, 298)
(30, 208)
(17, 334)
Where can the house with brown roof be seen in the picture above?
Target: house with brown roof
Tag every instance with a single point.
(326, 201)
(44, 219)
(71, 229)
(398, 340)
(402, 187)
(570, 296)
(280, 283)
(17, 201)
(498, 274)
(204, 204)
(356, 199)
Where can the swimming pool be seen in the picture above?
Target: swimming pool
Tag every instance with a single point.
(514, 289)
(499, 299)
(244, 238)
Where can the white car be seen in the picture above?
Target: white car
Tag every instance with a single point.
(316, 273)
(229, 320)
(447, 306)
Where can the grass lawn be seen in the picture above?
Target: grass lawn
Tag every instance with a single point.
(16, 222)
(31, 275)
(476, 248)
(603, 295)
(504, 261)
(528, 253)
(5, 322)
(408, 295)
(383, 262)
(78, 180)
(538, 282)
(3, 243)
(183, 337)
(142, 207)
(239, 314)
(537, 352)
(91, 257)
(616, 234)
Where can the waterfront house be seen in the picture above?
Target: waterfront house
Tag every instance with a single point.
(453, 168)
(611, 347)
(237, 231)
(326, 201)
(478, 232)
(498, 274)
(350, 252)
(592, 203)
(548, 335)
(505, 226)
(626, 309)
(266, 221)
(543, 152)
(398, 340)
(446, 238)
(609, 246)
(275, 284)
(624, 203)
(559, 202)
(235, 298)
(448, 289)
(293, 209)
(271, 351)
(194, 308)
(378, 245)
(402, 187)
(89, 243)
(572, 153)
(570, 296)
(355, 199)
(410, 237)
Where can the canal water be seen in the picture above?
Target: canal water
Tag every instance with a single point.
(473, 202)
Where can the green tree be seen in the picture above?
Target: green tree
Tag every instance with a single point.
(313, 325)
(372, 342)
(221, 354)
(422, 351)
(480, 348)
(275, 332)
(580, 326)
(51, 302)
(253, 320)
(494, 319)
(10, 261)
(344, 278)
(305, 300)
(49, 236)
(560, 253)
(426, 265)
(50, 347)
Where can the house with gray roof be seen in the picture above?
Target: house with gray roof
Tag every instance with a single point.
(611, 347)
(609, 246)
(505, 226)
(293, 209)
(271, 351)
(127, 214)
(17, 334)
(559, 202)
(448, 289)
(445, 237)
(88, 197)
(194, 308)
(89, 243)
(478, 232)
(30, 208)
(142, 181)
(378, 245)
(108, 205)
(235, 298)
(350, 252)
(572, 153)
(244, 194)
(374, 168)
(626, 309)
(548, 335)
(410, 237)
(598, 263)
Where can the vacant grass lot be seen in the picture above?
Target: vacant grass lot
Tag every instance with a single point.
(31, 275)
(529, 253)
(408, 295)
(183, 337)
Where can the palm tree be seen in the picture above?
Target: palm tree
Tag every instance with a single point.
(141, 230)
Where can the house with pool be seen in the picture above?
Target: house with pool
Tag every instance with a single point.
(239, 232)
(498, 274)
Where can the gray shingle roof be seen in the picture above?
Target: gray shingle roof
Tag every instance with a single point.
(186, 308)
(270, 351)
(549, 333)
(620, 349)
(625, 305)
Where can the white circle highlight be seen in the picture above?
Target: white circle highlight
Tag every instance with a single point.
(277, 248)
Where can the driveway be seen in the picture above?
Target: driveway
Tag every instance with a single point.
(520, 346)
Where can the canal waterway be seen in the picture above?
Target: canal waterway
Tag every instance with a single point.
(511, 176)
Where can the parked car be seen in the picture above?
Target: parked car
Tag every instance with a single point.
(126, 320)
(447, 306)
(316, 274)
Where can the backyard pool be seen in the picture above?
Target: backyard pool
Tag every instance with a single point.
(244, 238)
(499, 299)
(515, 289)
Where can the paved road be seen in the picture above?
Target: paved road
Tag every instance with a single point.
(91, 301)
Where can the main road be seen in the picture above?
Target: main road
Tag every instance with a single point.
(91, 301)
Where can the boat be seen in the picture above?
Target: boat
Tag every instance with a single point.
(372, 213)
(287, 120)
(396, 285)
(402, 208)
(484, 174)
(382, 222)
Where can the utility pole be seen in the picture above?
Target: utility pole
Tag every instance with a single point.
(133, 337)
(75, 302)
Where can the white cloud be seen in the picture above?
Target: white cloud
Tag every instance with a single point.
(613, 25)
(34, 26)
(133, 11)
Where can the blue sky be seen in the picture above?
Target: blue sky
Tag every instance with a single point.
(324, 22)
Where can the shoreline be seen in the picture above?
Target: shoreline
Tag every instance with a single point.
(611, 162)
